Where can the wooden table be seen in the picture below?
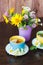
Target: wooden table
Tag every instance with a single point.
(31, 58)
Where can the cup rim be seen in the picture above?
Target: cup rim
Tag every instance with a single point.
(12, 37)
(40, 32)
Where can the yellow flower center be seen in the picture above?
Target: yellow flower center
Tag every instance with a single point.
(15, 20)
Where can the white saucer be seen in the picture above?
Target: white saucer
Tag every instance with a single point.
(10, 51)
(34, 43)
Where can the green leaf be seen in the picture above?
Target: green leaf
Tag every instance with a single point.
(25, 28)
(20, 25)
(33, 48)
(41, 45)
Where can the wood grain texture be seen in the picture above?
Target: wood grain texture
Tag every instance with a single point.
(36, 5)
(4, 7)
(12, 4)
(0, 10)
(18, 6)
(40, 8)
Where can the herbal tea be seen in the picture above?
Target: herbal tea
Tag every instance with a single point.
(17, 40)
(40, 34)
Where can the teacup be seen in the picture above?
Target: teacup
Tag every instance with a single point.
(39, 36)
(17, 42)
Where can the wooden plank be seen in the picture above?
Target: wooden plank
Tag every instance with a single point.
(28, 3)
(0, 10)
(40, 8)
(21, 3)
(37, 5)
(18, 5)
(4, 7)
(11, 4)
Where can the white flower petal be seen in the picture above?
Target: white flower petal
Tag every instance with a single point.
(33, 12)
(25, 16)
(39, 20)
(26, 8)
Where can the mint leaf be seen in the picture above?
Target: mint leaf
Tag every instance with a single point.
(41, 45)
(33, 48)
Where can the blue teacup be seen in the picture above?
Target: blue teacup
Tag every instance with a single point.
(17, 42)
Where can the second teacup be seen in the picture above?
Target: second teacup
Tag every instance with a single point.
(39, 36)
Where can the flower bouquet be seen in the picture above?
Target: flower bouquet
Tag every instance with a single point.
(25, 21)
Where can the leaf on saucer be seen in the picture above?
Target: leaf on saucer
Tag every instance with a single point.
(33, 48)
(41, 45)
(11, 50)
